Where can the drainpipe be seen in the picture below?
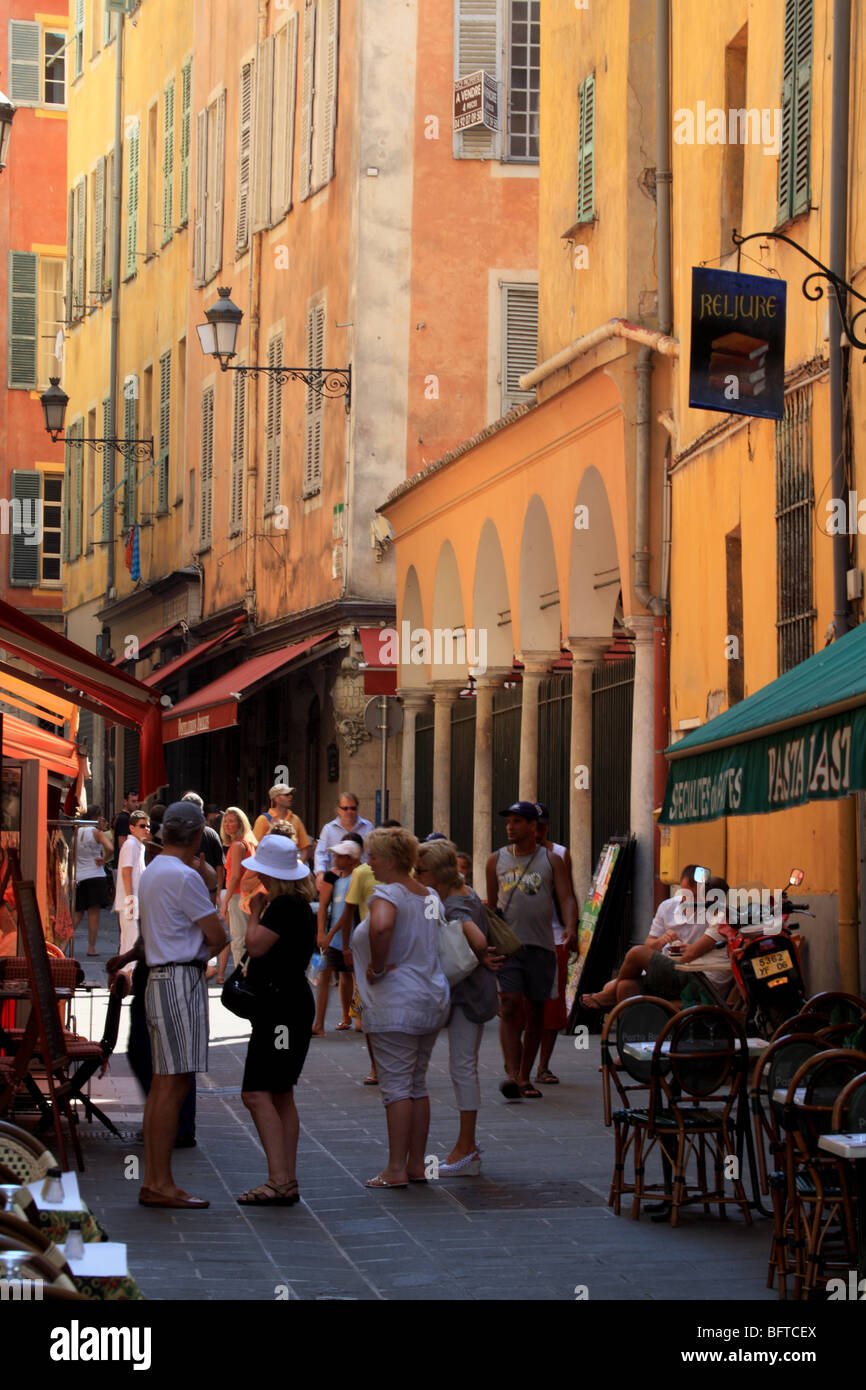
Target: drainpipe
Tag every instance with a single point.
(109, 504)
(849, 961)
(255, 297)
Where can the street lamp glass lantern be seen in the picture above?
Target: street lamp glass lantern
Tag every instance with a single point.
(218, 336)
(7, 111)
(54, 403)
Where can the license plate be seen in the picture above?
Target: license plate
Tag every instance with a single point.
(774, 964)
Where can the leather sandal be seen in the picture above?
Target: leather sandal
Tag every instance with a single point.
(148, 1198)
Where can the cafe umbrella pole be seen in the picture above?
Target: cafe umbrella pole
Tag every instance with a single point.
(383, 734)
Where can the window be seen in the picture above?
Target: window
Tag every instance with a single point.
(586, 151)
(34, 549)
(273, 429)
(794, 149)
(180, 396)
(314, 412)
(245, 142)
(319, 94)
(151, 213)
(132, 175)
(285, 89)
(55, 69)
(736, 65)
(238, 460)
(519, 342)
(477, 47)
(78, 39)
(52, 519)
(50, 318)
(524, 80)
(168, 163)
(164, 440)
(109, 24)
(205, 518)
(23, 326)
(210, 187)
(185, 139)
(795, 499)
(130, 463)
(274, 133)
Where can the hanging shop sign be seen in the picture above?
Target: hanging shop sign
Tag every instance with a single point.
(476, 102)
(737, 362)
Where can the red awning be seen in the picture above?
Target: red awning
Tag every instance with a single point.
(24, 741)
(215, 706)
(145, 646)
(77, 675)
(164, 672)
(380, 676)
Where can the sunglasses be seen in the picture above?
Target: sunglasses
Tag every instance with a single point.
(347, 808)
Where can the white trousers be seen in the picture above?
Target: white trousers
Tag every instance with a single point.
(464, 1042)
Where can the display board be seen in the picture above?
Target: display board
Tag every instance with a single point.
(604, 929)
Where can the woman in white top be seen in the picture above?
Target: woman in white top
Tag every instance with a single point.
(92, 849)
(129, 866)
(404, 998)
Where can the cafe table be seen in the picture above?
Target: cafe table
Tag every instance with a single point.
(852, 1147)
(102, 1271)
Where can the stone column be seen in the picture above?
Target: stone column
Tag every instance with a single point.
(642, 750)
(482, 821)
(586, 653)
(536, 665)
(445, 694)
(414, 702)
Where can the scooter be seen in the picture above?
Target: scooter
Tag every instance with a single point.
(765, 960)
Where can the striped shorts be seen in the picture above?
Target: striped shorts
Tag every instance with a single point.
(175, 1002)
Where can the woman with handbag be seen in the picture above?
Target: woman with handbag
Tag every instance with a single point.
(280, 939)
(404, 997)
(473, 1001)
(238, 839)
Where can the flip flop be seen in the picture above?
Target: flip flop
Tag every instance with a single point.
(371, 1081)
(510, 1089)
(341, 1027)
(594, 1004)
(547, 1078)
(149, 1198)
(379, 1181)
(528, 1091)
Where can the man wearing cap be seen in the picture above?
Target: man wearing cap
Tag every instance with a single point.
(211, 845)
(336, 830)
(524, 882)
(555, 1010)
(281, 797)
(180, 930)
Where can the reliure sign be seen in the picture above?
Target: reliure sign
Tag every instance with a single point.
(737, 362)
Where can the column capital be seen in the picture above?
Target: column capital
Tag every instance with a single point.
(642, 625)
(495, 676)
(446, 692)
(587, 650)
(538, 663)
(414, 698)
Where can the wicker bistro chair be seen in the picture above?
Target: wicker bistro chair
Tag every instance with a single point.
(773, 1071)
(639, 1019)
(24, 1153)
(811, 1022)
(839, 1007)
(695, 1083)
(849, 1111)
(845, 1035)
(818, 1192)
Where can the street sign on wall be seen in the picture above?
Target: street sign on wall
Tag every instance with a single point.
(476, 102)
(737, 362)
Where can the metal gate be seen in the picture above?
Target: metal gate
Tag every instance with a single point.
(505, 754)
(612, 697)
(462, 772)
(554, 753)
(423, 773)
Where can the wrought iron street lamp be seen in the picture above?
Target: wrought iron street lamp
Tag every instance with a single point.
(54, 402)
(7, 111)
(218, 338)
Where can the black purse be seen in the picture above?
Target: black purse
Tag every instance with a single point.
(239, 996)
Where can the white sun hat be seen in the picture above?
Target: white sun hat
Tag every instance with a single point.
(348, 847)
(277, 857)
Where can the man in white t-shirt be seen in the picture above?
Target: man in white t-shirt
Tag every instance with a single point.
(180, 930)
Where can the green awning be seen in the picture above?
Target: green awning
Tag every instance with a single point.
(802, 738)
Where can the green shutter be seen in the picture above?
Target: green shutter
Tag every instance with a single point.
(164, 441)
(75, 494)
(586, 150)
(107, 470)
(69, 307)
(168, 163)
(23, 553)
(79, 37)
(185, 139)
(794, 189)
(23, 319)
(80, 285)
(130, 469)
(132, 203)
(25, 62)
(99, 226)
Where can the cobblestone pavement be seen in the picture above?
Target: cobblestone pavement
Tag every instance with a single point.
(535, 1225)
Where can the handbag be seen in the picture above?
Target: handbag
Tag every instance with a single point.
(503, 940)
(456, 957)
(239, 996)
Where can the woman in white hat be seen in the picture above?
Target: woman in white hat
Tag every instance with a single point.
(280, 939)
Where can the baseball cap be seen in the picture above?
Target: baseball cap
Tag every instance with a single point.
(281, 789)
(182, 815)
(347, 847)
(434, 835)
(527, 809)
(543, 813)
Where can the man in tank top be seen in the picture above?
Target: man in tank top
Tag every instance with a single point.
(524, 882)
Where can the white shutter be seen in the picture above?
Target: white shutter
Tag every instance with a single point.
(168, 164)
(99, 226)
(164, 440)
(477, 46)
(81, 245)
(132, 202)
(314, 404)
(216, 187)
(307, 95)
(185, 139)
(23, 319)
(285, 87)
(205, 515)
(245, 140)
(25, 63)
(274, 429)
(264, 127)
(325, 106)
(519, 341)
(239, 427)
(200, 232)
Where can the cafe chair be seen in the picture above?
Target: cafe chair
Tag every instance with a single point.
(841, 1034)
(773, 1071)
(817, 1190)
(838, 1006)
(694, 1086)
(639, 1019)
(802, 1023)
(24, 1153)
(849, 1111)
(31, 1265)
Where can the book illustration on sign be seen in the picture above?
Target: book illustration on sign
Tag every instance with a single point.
(742, 357)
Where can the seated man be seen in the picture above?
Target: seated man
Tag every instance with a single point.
(674, 921)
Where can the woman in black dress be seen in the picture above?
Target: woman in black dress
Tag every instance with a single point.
(280, 940)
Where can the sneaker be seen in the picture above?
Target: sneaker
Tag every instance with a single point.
(468, 1167)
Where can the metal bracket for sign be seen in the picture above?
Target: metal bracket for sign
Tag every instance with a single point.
(815, 291)
(139, 448)
(330, 383)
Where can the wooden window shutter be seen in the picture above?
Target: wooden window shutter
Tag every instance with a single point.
(264, 130)
(99, 226)
(786, 144)
(168, 163)
(239, 429)
(205, 514)
(23, 557)
(586, 151)
(477, 46)
(107, 510)
(325, 111)
(801, 182)
(245, 140)
(23, 328)
(313, 404)
(216, 187)
(79, 37)
(76, 500)
(285, 88)
(70, 313)
(132, 202)
(519, 341)
(164, 441)
(200, 231)
(307, 95)
(81, 245)
(185, 139)
(273, 429)
(25, 62)
(130, 470)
